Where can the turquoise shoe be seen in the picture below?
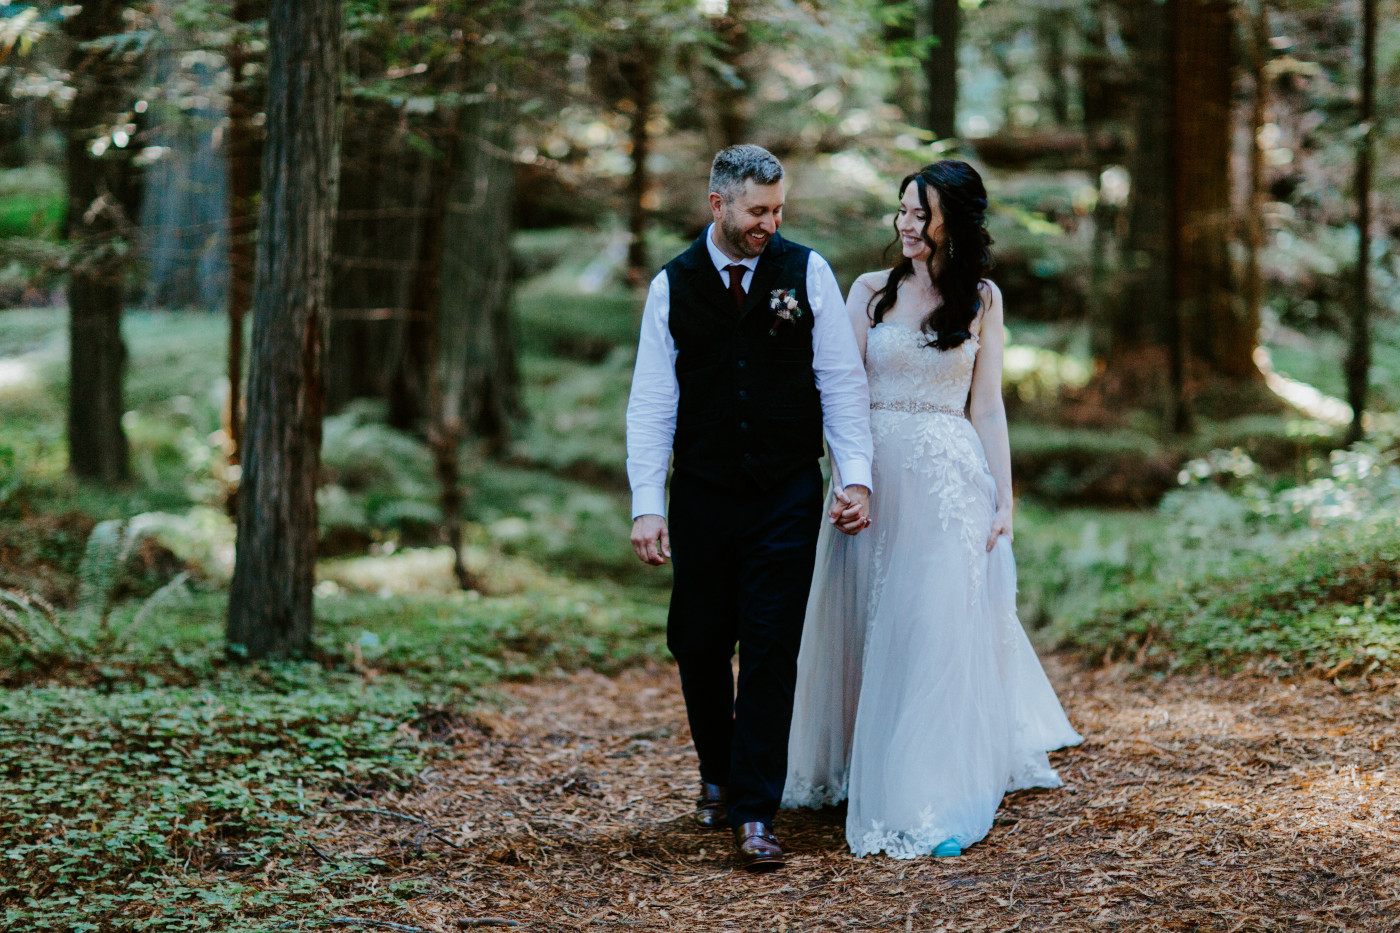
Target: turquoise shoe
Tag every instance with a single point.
(947, 849)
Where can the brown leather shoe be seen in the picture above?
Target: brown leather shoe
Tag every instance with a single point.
(712, 807)
(758, 847)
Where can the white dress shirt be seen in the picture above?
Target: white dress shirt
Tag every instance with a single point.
(655, 396)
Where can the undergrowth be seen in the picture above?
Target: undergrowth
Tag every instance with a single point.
(147, 782)
(1235, 573)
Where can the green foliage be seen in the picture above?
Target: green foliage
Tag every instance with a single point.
(148, 803)
(32, 202)
(1236, 571)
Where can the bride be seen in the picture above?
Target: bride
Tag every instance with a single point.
(919, 695)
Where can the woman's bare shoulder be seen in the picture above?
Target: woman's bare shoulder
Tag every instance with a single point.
(873, 281)
(989, 303)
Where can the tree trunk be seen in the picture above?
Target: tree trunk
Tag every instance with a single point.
(1054, 24)
(733, 84)
(1252, 287)
(184, 211)
(476, 382)
(270, 601)
(941, 67)
(1179, 305)
(243, 151)
(638, 74)
(465, 283)
(100, 195)
(1223, 334)
(475, 335)
(385, 189)
(1358, 364)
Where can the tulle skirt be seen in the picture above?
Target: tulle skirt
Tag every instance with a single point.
(919, 696)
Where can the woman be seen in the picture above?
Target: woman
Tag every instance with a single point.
(918, 693)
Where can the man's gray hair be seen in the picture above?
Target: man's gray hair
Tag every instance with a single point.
(738, 164)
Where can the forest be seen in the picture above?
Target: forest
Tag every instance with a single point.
(318, 320)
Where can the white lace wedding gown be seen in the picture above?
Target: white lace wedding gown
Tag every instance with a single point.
(918, 693)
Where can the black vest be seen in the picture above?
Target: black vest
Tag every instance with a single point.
(750, 414)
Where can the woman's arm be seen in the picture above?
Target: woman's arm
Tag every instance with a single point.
(857, 305)
(989, 412)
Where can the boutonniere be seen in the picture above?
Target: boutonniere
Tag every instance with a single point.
(785, 307)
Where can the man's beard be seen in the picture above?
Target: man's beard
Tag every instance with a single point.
(737, 239)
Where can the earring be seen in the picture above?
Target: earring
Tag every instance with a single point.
(950, 249)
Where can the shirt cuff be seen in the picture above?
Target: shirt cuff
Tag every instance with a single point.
(649, 500)
(855, 473)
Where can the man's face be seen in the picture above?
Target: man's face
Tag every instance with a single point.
(746, 222)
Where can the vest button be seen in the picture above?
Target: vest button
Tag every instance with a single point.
(743, 425)
(743, 393)
(742, 363)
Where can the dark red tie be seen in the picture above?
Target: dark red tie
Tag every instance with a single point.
(736, 284)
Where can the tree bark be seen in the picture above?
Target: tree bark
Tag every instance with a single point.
(1252, 286)
(1358, 366)
(243, 151)
(639, 75)
(1223, 334)
(270, 602)
(1179, 303)
(944, 17)
(385, 193)
(100, 207)
(476, 338)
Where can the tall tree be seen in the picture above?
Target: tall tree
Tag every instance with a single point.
(1358, 364)
(242, 150)
(270, 602)
(101, 202)
(474, 379)
(1252, 285)
(639, 75)
(943, 19)
(732, 75)
(1180, 309)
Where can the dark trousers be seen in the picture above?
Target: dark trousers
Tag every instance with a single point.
(743, 566)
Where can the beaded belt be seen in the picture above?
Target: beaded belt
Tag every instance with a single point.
(919, 407)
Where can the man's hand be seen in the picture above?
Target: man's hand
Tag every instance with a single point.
(651, 539)
(851, 510)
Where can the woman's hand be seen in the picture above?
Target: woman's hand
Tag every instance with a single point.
(1001, 525)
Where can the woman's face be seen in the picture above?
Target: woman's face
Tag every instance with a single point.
(920, 230)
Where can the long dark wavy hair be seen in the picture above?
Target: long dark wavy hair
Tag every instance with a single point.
(967, 255)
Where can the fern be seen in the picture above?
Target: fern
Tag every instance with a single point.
(171, 594)
(100, 570)
(30, 621)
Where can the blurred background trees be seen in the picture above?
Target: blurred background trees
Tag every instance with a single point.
(1192, 202)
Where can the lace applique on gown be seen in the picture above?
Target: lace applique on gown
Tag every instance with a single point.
(919, 695)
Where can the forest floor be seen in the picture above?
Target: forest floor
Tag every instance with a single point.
(1194, 803)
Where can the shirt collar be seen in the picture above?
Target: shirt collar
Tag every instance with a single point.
(717, 255)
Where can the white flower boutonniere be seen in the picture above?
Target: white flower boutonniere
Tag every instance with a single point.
(785, 307)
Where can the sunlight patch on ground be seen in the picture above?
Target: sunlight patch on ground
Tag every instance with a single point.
(428, 572)
(16, 373)
(1307, 399)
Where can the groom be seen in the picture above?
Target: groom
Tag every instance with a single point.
(745, 356)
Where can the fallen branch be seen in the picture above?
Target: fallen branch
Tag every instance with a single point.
(394, 813)
(486, 922)
(382, 924)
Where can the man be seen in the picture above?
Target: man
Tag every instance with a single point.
(746, 355)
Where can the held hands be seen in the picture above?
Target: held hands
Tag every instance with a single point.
(851, 510)
(651, 539)
(1001, 525)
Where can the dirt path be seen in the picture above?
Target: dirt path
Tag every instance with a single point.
(1194, 804)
